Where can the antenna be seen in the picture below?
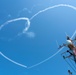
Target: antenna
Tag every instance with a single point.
(66, 34)
(57, 43)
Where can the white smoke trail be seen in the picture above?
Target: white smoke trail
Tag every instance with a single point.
(45, 59)
(51, 7)
(17, 19)
(28, 20)
(55, 6)
(26, 29)
(50, 56)
(37, 63)
(12, 60)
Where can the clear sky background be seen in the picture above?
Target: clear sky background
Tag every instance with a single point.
(45, 29)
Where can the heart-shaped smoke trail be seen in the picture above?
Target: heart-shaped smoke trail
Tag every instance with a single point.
(26, 29)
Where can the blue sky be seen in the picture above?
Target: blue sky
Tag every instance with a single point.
(39, 41)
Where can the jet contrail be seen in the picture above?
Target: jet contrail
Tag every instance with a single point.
(28, 20)
(48, 8)
(26, 29)
(51, 7)
(45, 59)
(12, 60)
(17, 19)
(37, 63)
(52, 55)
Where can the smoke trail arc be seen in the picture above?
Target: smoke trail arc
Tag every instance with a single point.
(37, 63)
(12, 60)
(41, 11)
(26, 29)
(50, 56)
(17, 19)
